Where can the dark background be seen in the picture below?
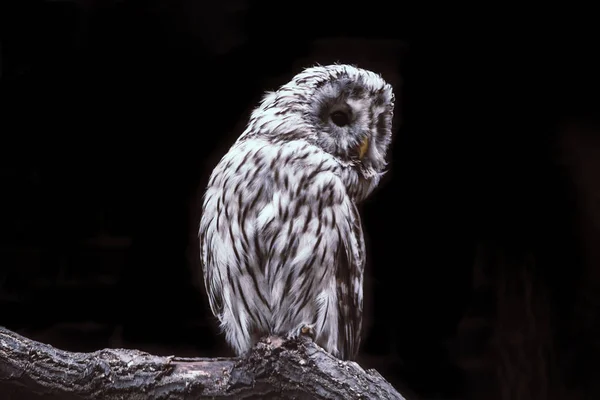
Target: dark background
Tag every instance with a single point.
(483, 239)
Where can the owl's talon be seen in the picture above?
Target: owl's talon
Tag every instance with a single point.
(303, 330)
(308, 330)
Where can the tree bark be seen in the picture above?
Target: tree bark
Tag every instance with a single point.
(274, 369)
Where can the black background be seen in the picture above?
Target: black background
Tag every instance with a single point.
(114, 114)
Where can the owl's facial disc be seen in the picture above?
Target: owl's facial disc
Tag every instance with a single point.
(341, 117)
(348, 112)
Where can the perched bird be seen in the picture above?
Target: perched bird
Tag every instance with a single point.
(281, 240)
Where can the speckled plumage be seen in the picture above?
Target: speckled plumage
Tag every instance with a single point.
(281, 240)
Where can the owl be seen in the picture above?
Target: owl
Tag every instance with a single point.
(281, 241)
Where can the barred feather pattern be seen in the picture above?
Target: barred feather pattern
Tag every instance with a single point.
(281, 240)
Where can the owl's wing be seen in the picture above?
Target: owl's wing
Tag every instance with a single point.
(214, 289)
(350, 262)
(329, 230)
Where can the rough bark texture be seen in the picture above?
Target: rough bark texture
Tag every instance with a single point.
(274, 369)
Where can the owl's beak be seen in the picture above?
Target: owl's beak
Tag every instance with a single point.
(364, 146)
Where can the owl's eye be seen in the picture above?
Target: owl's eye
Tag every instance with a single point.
(340, 118)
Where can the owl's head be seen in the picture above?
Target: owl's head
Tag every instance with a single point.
(345, 110)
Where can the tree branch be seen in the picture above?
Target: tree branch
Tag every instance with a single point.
(273, 369)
